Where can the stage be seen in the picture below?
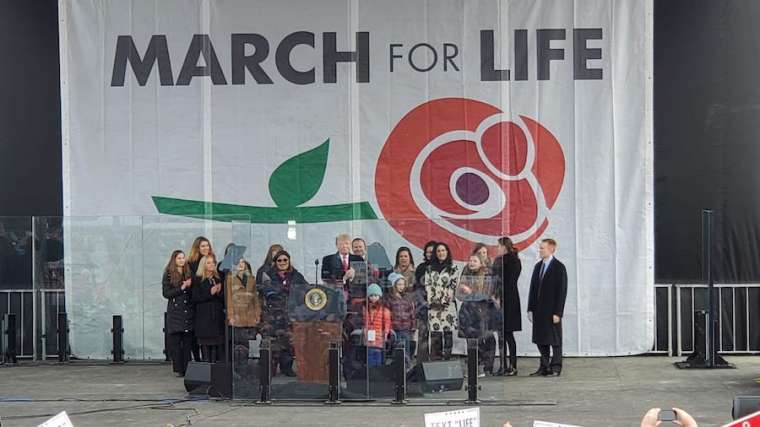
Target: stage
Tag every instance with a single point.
(591, 392)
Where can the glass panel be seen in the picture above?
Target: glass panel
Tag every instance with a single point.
(103, 270)
(687, 320)
(725, 308)
(753, 300)
(16, 278)
(740, 300)
(661, 311)
(48, 282)
(15, 253)
(195, 316)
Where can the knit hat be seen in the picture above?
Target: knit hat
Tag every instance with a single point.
(395, 277)
(374, 289)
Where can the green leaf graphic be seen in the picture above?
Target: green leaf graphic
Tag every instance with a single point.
(298, 179)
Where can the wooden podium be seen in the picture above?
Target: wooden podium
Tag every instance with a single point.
(311, 342)
(316, 314)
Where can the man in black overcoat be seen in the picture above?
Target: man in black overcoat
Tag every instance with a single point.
(546, 303)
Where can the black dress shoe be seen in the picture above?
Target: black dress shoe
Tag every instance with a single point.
(539, 373)
(511, 373)
(554, 374)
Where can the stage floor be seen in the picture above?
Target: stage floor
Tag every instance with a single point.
(590, 392)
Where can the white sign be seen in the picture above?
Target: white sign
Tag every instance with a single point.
(461, 418)
(548, 424)
(60, 420)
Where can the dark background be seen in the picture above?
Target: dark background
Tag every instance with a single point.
(706, 128)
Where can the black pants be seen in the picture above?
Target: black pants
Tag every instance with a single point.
(423, 342)
(282, 354)
(212, 353)
(553, 363)
(508, 340)
(486, 351)
(196, 350)
(180, 348)
(441, 345)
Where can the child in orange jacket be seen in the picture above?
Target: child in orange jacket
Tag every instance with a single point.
(377, 325)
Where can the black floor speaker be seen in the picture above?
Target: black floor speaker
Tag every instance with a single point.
(440, 376)
(745, 405)
(212, 379)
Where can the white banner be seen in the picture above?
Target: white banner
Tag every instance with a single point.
(398, 121)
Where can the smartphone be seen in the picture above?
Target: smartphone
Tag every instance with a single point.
(666, 415)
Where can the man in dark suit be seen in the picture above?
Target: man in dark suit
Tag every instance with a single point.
(337, 271)
(336, 268)
(546, 303)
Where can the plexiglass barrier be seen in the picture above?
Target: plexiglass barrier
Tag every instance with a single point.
(361, 286)
(365, 288)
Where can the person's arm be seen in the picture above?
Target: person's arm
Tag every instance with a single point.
(328, 273)
(559, 302)
(454, 277)
(532, 293)
(170, 291)
(387, 321)
(299, 279)
(463, 289)
(267, 289)
(515, 268)
(219, 295)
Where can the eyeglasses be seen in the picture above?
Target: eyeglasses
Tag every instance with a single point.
(283, 260)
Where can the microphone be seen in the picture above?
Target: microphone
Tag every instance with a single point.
(316, 271)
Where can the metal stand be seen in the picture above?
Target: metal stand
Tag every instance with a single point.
(265, 372)
(705, 355)
(9, 333)
(118, 340)
(62, 332)
(333, 389)
(472, 372)
(399, 375)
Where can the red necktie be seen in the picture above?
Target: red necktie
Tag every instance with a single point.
(345, 262)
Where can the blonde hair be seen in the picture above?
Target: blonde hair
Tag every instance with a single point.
(550, 242)
(341, 237)
(202, 272)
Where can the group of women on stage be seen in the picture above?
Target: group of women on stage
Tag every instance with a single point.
(202, 300)
(475, 303)
(422, 306)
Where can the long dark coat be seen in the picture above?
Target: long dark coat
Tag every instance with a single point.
(507, 269)
(547, 298)
(209, 309)
(180, 311)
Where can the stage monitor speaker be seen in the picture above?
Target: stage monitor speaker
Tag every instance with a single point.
(745, 405)
(441, 376)
(198, 377)
(212, 379)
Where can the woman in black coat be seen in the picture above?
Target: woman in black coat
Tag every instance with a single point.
(276, 285)
(180, 312)
(507, 268)
(208, 296)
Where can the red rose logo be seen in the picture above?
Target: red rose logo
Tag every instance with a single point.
(461, 171)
